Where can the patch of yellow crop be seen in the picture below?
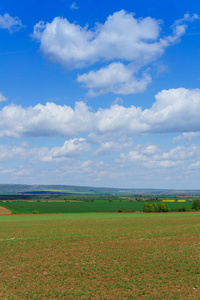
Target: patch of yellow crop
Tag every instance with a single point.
(168, 200)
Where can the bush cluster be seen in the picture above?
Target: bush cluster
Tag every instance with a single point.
(179, 209)
(155, 207)
(196, 204)
(125, 211)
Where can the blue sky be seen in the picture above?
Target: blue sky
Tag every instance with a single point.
(102, 93)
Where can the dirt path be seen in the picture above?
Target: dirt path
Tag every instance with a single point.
(4, 211)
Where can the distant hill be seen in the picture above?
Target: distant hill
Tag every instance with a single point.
(71, 189)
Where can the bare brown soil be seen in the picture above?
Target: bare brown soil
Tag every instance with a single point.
(4, 211)
(145, 258)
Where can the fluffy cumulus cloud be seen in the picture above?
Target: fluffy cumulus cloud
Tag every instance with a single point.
(44, 120)
(122, 36)
(76, 160)
(123, 39)
(71, 148)
(152, 156)
(105, 132)
(175, 110)
(115, 78)
(13, 24)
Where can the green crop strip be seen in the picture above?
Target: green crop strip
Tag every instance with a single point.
(81, 207)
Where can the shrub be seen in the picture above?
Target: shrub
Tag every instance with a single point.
(120, 211)
(179, 209)
(196, 204)
(155, 207)
(35, 212)
(161, 207)
(148, 207)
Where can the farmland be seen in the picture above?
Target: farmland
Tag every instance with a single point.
(82, 207)
(71, 189)
(100, 256)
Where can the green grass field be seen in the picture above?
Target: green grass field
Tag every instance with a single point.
(81, 207)
(100, 256)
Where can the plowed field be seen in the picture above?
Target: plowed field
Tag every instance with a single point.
(100, 256)
(4, 211)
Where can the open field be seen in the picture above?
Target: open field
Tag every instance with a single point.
(84, 207)
(100, 256)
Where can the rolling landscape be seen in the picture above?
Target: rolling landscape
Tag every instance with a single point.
(66, 242)
(99, 150)
(68, 189)
(75, 199)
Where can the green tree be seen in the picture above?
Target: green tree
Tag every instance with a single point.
(196, 204)
(162, 207)
(155, 207)
(148, 207)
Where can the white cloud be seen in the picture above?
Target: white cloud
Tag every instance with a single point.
(74, 6)
(151, 156)
(6, 171)
(2, 97)
(122, 39)
(195, 165)
(118, 100)
(13, 24)
(110, 147)
(181, 153)
(122, 36)
(162, 163)
(115, 78)
(72, 147)
(186, 136)
(175, 110)
(142, 155)
(187, 18)
(44, 120)
(22, 172)
(12, 151)
(73, 161)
